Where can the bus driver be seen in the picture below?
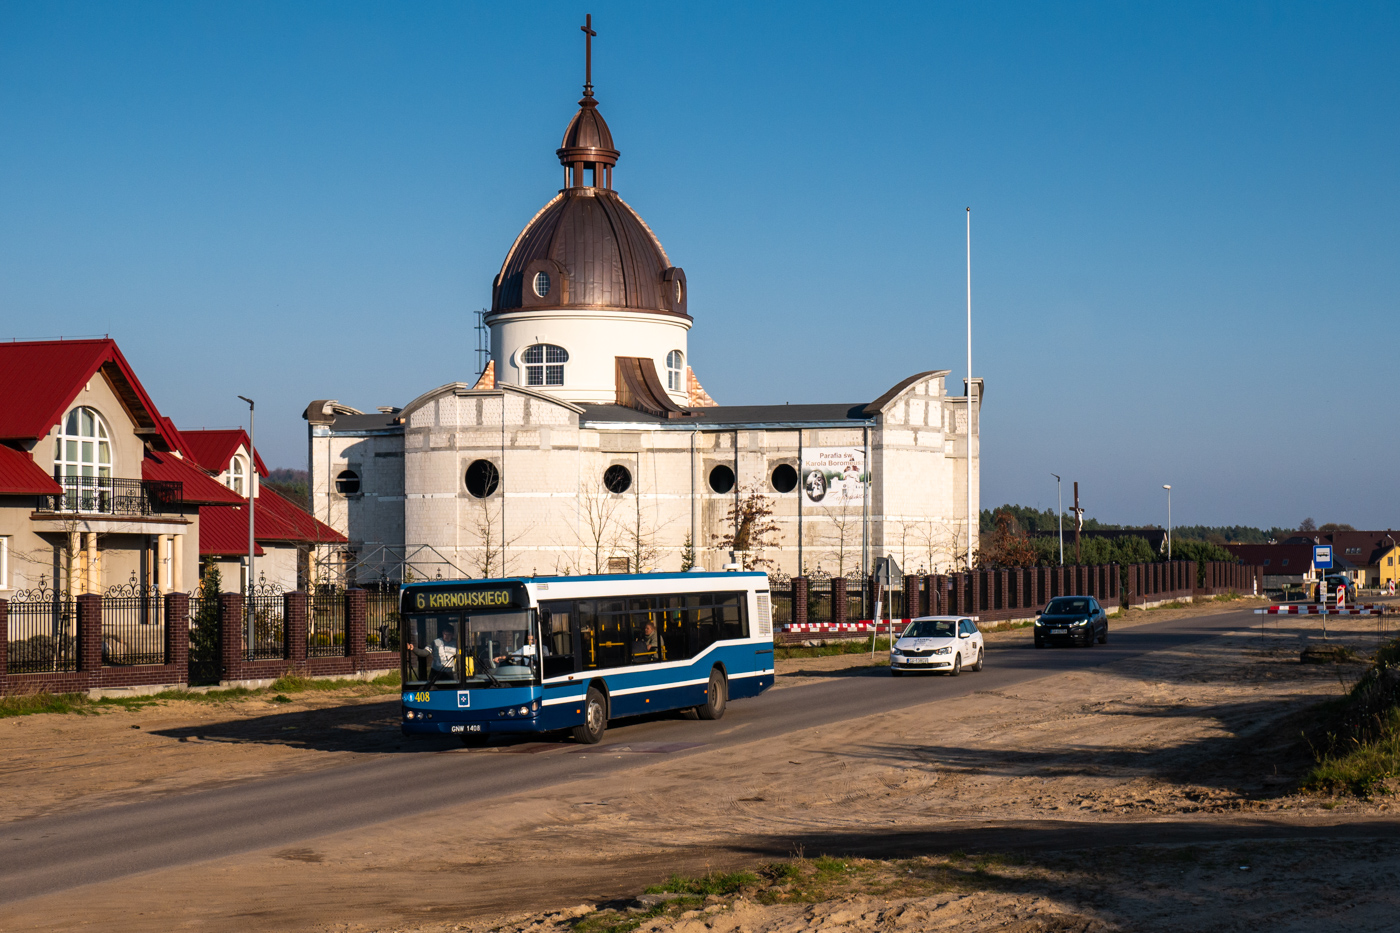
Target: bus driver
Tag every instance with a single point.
(443, 651)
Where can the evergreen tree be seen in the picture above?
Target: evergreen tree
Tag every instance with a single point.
(687, 554)
(204, 634)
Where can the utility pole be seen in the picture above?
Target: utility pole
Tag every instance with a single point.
(252, 545)
(1078, 523)
(1060, 515)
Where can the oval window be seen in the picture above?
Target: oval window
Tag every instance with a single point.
(721, 478)
(617, 478)
(784, 477)
(347, 482)
(541, 283)
(482, 478)
(680, 291)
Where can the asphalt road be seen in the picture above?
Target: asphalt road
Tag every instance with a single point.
(54, 853)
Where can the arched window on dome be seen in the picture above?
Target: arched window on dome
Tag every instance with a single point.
(544, 364)
(675, 371)
(235, 475)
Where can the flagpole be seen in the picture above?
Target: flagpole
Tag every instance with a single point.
(969, 389)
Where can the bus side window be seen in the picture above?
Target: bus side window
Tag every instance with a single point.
(729, 615)
(555, 622)
(612, 633)
(672, 628)
(701, 608)
(586, 611)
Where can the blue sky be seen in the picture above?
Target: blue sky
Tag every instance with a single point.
(1184, 215)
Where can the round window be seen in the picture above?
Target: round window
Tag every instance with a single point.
(541, 283)
(784, 477)
(347, 482)
(617, 478)
(721, 478)
(482, 478)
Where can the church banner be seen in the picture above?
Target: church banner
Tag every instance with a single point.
(833, 476)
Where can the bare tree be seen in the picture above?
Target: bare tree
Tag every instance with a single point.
(492, 541)
(842, 535)
(599, 532)
(751, 530)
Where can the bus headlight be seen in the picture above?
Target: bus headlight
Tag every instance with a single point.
(524, 710)
(535, 706)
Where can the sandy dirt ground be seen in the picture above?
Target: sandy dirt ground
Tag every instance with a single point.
(1129, 797)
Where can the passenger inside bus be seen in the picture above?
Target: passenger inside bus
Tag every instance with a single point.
(443, 652)
(644, 648)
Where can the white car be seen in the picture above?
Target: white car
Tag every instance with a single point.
(938, 643)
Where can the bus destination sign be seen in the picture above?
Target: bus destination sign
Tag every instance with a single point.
(481, 597)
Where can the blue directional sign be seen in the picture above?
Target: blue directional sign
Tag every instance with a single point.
(1322, 556)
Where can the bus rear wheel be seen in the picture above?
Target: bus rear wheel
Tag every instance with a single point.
(716, 697)
(595, 719)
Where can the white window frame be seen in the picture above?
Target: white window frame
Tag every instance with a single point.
(100, 438)
(236, 475)
(549, 369)
(675, 374)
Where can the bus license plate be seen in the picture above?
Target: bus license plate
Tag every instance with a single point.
(476, 728)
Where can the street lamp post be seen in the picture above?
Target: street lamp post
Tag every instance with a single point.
(1060, 516)
(252, 473)
(1169, 520)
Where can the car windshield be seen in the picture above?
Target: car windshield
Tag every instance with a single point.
(449, 650)
(1067, 607)
(931, 628)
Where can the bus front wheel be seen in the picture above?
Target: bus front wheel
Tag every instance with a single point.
(595, 719)
(716, 695)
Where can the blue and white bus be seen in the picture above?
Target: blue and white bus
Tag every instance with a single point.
(546, 654)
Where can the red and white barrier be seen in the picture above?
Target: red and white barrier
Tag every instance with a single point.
(1369, 610)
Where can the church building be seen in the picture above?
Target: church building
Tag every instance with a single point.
(588, 444)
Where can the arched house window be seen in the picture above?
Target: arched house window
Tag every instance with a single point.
(82, 460)
(543, 364)
(236, 475)
(84, 446)
(675, 371)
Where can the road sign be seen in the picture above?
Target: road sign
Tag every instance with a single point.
(1322, 556)
(887, 572)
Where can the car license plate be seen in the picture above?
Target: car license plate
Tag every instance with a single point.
(919, 660)
(1059, 631)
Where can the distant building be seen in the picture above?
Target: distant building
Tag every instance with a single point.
(588, 444)
(1282, 564)
(1369, 557)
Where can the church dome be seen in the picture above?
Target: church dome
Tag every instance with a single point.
(587, 248)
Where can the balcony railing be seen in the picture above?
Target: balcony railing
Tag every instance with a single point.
(103, 495)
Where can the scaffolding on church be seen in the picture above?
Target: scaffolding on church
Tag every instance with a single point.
(389, 565)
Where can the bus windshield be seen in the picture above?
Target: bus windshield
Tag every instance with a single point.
(476, 650)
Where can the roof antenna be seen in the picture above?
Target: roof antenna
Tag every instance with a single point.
(588, 33)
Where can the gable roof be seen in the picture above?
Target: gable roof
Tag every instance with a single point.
(306, 527)
(21, 476)
(223, 532)
(39, 380)
(1272, 557)
(213, 449)
(198, 487)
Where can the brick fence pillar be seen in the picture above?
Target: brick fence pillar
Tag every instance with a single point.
(4, 642)
(356, 625)
(231, 623)
(838, 600)
(90, 633)
(799, 600)
(294, 610)
(911, 595)
(934, 585)
(177, 633)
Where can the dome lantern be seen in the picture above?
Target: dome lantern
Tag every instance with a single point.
(587, 152)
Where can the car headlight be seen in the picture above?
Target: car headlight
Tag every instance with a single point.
(942, 650)
(896, 653)
(1082, 622)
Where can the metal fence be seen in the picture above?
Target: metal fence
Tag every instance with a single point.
(133, 629)
(268, 641)
(325, 625)
(382, 618)
(43, 636)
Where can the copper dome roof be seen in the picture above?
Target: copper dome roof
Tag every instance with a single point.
(593, 249)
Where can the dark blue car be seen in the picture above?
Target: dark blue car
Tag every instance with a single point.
(1071, 620)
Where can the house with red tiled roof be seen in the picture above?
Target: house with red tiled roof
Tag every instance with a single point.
(95, 491)
(291, 546)
(99, 490)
